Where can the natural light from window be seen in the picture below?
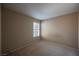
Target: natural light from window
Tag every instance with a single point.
(36, 29)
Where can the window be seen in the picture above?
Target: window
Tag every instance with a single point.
(36, 29)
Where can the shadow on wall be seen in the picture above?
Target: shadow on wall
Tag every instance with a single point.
(55, 38)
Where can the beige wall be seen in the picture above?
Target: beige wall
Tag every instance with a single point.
(17, 30)
(0, 28)
(61, 29)
(78, 30)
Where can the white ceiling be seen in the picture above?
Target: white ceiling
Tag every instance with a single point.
(42, 11)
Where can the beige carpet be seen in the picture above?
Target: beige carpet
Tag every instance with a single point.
(46, 48)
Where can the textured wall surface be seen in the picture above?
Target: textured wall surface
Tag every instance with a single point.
(78, 30)
(63, 29)
(17, 30)
(0, 28)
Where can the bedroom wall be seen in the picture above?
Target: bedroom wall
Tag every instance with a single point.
(62, 29)
(0, 29)
(17, 30)
(78, 30)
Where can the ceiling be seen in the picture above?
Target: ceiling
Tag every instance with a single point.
(42, 11)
